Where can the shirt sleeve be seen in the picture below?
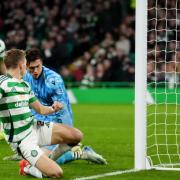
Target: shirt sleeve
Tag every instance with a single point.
(32, 97)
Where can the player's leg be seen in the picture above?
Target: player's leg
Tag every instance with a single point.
(69, 155)
(52, 133)
(85, 153)
(48, 167)
(15, 156)
(64, 158)
(43, 167)
(44, 133)
(62, 134)
(72, 136)
(66, 137)
(39, 164)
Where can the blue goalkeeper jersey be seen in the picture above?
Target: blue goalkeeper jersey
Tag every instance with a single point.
(49, 87)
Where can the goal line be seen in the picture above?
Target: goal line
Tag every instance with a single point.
(115, 173)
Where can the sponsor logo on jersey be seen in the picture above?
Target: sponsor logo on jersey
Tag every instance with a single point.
(21, 104)
(13, 89)
(22, 96)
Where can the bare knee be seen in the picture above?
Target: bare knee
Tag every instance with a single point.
(65, 134)
(78, 135)
(49, 167)
(57, 173)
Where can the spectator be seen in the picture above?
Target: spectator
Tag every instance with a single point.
(67, 29)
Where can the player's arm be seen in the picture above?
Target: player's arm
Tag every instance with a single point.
(41, 109)
(44, 110)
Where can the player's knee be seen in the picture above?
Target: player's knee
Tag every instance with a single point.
(78, 135)
(56, 173)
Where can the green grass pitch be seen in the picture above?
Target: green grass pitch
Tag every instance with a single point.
(109, 130)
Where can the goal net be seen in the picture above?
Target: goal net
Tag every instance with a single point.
(163, 83)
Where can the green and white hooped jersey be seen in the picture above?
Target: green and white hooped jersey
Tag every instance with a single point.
(15, 114)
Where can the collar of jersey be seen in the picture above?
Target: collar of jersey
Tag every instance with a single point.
(8, 75)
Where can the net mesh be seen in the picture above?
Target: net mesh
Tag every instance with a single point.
(163, 76)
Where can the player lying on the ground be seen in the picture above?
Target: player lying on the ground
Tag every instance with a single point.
(48, 86)
(20, 127)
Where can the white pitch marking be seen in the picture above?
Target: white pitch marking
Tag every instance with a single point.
(107, 174)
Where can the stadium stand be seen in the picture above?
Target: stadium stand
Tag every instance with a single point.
(84, 40)
(163, 43)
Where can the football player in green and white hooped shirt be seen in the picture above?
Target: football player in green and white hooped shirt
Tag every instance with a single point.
(15, 97)
(21, 129)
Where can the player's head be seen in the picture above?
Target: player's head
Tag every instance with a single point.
(34, 62)
(15, 59)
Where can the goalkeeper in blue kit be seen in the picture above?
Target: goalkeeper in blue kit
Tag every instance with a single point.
(48, 87)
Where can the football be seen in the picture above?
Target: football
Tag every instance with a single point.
(2, 48)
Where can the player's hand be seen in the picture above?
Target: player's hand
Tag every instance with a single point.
(57, 106)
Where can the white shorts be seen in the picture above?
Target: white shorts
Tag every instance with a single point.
(41, 135)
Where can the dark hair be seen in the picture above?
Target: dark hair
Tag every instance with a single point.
(13, 57)
(33, 54)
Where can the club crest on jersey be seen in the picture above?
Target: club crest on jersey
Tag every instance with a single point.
(53, 81)
(34, 153)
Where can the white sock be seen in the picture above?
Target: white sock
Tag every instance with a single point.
(59, 150)
(33, 171)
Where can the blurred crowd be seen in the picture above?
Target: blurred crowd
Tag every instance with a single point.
(110, 60)
(83, 40)
(164, 42)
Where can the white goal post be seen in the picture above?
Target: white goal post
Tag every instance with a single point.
(140, 84)
(157, 73)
